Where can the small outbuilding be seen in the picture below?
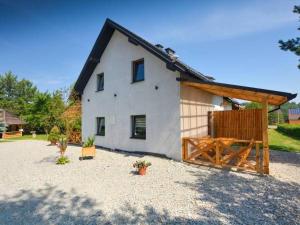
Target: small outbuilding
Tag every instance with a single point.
(12, 124)
(294, 116)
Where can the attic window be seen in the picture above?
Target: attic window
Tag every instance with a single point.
(138, 73)
(100, 82)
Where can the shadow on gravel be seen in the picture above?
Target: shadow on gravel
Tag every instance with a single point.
(291, 158)
(251, 200)
(53, 206)
(48, 159)
(225, 198)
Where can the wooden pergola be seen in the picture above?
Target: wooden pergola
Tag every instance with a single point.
(263, 96)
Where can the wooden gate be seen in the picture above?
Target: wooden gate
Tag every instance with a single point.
(240, 124)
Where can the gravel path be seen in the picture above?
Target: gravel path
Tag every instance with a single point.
(34, 190)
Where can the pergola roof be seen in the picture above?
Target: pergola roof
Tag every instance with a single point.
(276, 98)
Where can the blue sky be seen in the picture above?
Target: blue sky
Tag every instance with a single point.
(234, 41)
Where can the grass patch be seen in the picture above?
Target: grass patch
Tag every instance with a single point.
(282, 142)
(39, 137)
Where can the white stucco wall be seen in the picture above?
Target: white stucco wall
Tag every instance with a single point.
(194, 107)
(161, 107)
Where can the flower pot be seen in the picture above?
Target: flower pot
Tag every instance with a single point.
(142, 171)
(88, 151)
(53, 142)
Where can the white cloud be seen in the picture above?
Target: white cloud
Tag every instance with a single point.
(224, 23)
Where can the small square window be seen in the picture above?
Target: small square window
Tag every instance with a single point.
(138, 73)
(100, 82)
(100, 126)
(138, 126)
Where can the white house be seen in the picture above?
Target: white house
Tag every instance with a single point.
(133, 98)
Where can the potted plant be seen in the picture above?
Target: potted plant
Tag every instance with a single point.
(62, 144)
(54, 135)
(141, 166)
(88, 148)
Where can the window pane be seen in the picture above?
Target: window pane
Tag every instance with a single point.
(139, 126)
(100, 82)
(138, 70)
(101, 126)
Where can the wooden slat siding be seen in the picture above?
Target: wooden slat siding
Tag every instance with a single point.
(239, 124)
(294, 121)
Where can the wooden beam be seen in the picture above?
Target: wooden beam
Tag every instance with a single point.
(237, 93)
(266, 152)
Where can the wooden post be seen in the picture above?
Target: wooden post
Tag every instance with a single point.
(266, 153)
(217, 153)
(184, 148)
(257, 166)
(209, 123)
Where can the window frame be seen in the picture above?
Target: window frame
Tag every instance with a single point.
(98, 122)
(133, 127)
(133, 68)
(98, 80)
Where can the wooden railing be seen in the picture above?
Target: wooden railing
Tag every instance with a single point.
(224, 153)
(12, 134)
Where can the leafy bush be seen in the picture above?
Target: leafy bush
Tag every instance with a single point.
(89, 142)
(292, 130)
(141, 164)
(62, 160)
(54, 134)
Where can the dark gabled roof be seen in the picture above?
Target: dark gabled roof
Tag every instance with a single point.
(102, 41)
(9, 118)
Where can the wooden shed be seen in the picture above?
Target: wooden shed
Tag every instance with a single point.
(12, 123)
(294, 116)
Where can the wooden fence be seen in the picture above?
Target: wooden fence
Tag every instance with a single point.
(239, 124)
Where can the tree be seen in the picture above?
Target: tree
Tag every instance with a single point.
(45, 112)
(41, 111)
(253, 105)
(292, 45)
(16, 94)
(274, 117)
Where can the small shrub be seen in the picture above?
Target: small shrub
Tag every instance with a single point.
(292, 130)
(62, 160)
(54, 135)
(62, 144)
(141, 164)
(89, 142)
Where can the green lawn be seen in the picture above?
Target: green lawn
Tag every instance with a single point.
(279, 141)
(42, 137)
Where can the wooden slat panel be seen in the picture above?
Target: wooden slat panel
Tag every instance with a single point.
(239, 124)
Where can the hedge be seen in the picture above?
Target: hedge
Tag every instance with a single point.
(292, 130)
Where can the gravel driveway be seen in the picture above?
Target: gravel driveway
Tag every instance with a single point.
(34, 190)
